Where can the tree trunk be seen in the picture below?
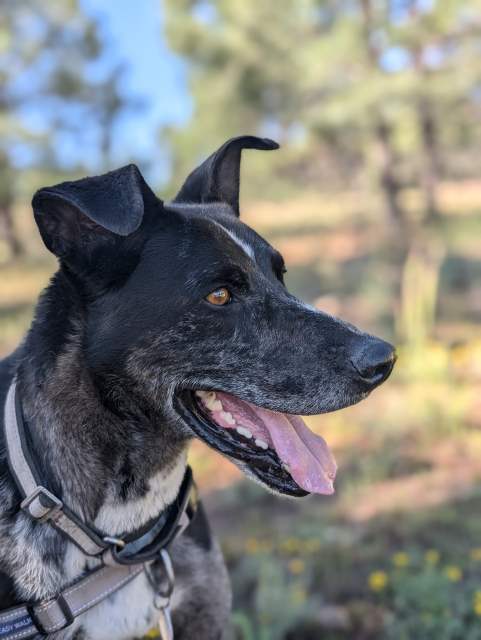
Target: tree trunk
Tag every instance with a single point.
(388, 181)
(430, 167)
(7, 228)
(6, 221)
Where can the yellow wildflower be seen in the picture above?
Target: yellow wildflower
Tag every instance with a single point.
(453, 573)
(400, 559)
(291, 545)
(296, 566)
(431, 557)
(476, 554)
(152, 633)
(252, 546)
(378, 580)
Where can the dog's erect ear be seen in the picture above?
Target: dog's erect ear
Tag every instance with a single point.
(217, 178)
(71, 213)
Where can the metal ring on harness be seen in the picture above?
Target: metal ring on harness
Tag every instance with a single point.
(162, 593)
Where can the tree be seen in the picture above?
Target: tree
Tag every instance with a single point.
(361, 83)
(51, 95)
(7, 198)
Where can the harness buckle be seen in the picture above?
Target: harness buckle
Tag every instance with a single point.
(41, 504)
(65, 609)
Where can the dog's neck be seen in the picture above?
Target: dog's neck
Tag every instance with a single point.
(113, 462)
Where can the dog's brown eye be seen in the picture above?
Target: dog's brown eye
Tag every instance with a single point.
(219, 296)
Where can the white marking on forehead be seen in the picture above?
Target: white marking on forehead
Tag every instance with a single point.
(241, 243)
(221, 207)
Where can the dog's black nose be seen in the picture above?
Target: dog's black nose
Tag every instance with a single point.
(374, 360)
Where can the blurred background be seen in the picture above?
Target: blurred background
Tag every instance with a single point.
(374, 200)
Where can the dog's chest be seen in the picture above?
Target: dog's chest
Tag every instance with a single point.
(130, 612)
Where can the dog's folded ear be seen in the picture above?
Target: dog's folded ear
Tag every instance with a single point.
(73, 213)
(217, 178)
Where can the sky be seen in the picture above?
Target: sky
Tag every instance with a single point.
(133, 32)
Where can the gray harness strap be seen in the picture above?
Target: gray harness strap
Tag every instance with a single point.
(58, 613)
(116, 569)
(38, 502)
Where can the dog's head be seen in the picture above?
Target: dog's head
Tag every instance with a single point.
(186, 308)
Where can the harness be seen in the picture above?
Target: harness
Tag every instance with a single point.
(120, 560)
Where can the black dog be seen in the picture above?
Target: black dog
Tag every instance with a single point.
(164, 322)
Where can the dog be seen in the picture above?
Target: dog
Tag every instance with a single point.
(164, 322)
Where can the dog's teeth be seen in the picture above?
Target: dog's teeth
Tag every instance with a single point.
(211, 402)
(261, 443)
(225, 415)
(286, 467)
(244, 432)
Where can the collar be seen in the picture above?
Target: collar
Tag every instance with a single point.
(120, 560)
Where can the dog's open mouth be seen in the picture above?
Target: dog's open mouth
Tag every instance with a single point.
(278, 448)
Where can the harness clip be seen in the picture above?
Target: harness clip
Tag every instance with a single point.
(162, 592)
(116, 542)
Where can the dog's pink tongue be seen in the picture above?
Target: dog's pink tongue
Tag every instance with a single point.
(311, 463)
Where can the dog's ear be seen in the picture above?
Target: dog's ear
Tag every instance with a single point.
(73, 214)
(217, 178)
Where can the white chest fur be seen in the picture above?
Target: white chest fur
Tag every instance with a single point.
(130, 612)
